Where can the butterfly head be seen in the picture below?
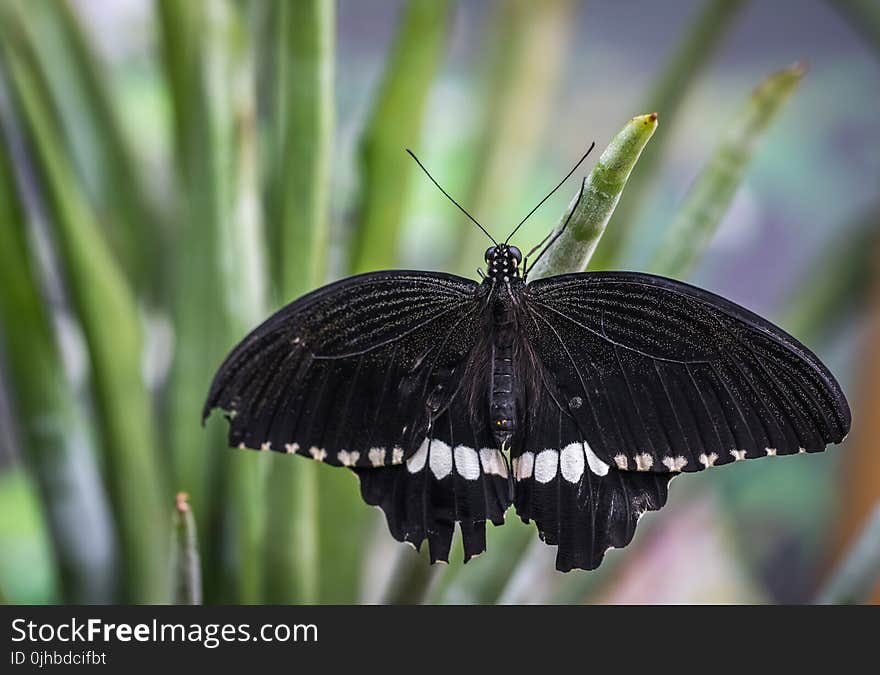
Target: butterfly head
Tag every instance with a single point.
(502, 262)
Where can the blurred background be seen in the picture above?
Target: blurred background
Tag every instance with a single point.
(171, 172)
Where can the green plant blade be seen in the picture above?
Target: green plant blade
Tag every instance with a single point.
(95, 136)
(53, 433)
(669, 91)
(394, 125)
(194, 41)
(186, 567)
(305, 87)
(243, 272)
(594, 204)
(699, 216)
(109, 319)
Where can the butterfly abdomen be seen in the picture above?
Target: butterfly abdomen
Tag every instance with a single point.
(503, 403)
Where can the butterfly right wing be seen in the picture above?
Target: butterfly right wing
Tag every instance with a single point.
(579, 503)
(665, 377)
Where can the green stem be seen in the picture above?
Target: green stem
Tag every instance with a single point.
(54, 437)
(305, 83)
(108, 315)
(96, 137)
(708, 200)
(185, 564)
(194, 41)
(243, 265)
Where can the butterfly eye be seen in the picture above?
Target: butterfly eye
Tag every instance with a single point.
(489, 253)
(516, 254)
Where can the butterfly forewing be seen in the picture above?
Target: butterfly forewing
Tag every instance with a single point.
(664, 377)
(349, 374)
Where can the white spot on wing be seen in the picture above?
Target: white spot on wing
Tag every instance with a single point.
(771, 452)
(348, 458)
(440, 459)
(291, 448)
(802, 451)
(644, 461)
(545, 465)
(242, 446)
(377, 456)
(597, 466)
(708, 460)
(621, 461)
(493, 462)
(318, 454)
(571, 462)
(266, 446)
(525, 466)
(417, 462)
(467, 463)
(397, 455)
(674, 463)
(738, 455)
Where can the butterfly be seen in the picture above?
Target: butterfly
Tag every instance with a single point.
(575, 398)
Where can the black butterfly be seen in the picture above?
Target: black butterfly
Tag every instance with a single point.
(601, 387)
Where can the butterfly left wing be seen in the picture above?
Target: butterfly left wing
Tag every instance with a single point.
(661, 376)
(368, 373)
(351, 373)
(454, 476)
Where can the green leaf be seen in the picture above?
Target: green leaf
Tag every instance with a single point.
(708, 200)
(593, 206)
(185, 564)
(111, 325)
(195, 39)
(95, 136)
(54, 435)
(305, 88)
(395, 123)
(667, 94)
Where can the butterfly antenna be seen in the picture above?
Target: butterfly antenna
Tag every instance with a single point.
(550, 194)
(449, 197)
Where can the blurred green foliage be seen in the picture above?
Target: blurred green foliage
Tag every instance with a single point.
(155, 264)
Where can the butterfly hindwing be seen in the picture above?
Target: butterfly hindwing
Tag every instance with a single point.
(661, 376)
(350, 374)
(579, 503)
(455, 475)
